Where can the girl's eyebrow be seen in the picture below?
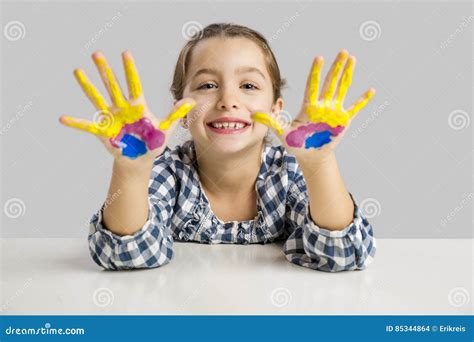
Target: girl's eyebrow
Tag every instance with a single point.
(246, 69)
(204, 71)
(240, 70)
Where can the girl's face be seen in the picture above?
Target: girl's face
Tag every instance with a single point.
(228, 79)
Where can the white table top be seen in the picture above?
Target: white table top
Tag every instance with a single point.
(408, 277)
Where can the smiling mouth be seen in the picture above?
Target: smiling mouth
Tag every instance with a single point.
(228, 127)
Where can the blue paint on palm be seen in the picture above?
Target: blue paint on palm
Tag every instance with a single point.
(134, 147)
(318, 139)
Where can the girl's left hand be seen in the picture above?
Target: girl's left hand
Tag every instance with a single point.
(322, 121)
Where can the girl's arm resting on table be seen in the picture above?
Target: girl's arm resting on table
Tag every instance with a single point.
(351, 247)
(132, 229)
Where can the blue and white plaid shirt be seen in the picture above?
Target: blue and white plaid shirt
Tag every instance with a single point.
(180, 210)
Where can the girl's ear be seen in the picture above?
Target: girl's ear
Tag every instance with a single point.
(277, 106)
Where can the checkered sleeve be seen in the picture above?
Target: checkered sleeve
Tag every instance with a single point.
(351, 248)
(149, 247)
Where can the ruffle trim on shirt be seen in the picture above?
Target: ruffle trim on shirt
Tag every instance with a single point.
(194, 220)
(202, 225)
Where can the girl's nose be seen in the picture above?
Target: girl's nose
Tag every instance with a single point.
(228, 101)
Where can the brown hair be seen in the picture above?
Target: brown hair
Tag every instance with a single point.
(225, 30)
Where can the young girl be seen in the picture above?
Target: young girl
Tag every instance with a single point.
(228, 184)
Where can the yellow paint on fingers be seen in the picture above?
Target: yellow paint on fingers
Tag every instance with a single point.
(91, 91)
(110, 81)
(133, 80)
(180, 113)
(267, 120)
(362, 102)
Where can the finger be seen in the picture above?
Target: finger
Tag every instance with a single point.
(109, 80)
(83, 125)
(312, 89)
(267, 120)
(361, 102)
(183, 109)
(131, 73)
(346, 80)
(91, 91)
(333, 75)
(313, 81)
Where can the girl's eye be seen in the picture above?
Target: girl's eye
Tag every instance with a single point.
(249, 86)
(207, 86)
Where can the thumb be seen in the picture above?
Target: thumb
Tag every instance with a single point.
(267, 120)
(179, 111)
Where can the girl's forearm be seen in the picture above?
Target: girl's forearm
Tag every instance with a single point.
(126, 207)
(330, 204)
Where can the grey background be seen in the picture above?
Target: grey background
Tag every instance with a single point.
(403, 155)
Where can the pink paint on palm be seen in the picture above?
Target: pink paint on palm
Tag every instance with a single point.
(145, 130)
(297, 137)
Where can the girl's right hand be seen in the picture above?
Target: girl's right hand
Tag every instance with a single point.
(127, 128)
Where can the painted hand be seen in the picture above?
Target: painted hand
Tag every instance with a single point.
(322, 119)
(127, 124)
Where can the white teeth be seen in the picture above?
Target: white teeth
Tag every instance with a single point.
(228, 125)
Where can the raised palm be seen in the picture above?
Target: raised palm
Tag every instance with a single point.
(126, 127)
(322, 118)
